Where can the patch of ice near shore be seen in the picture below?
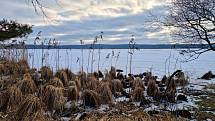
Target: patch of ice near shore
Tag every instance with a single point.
(121, 99)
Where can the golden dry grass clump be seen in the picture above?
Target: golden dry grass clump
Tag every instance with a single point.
(138, 83)
(56, 82)
(73, 93)
(53, 97)
(27, 85)
(15, 97)
(148, 76)
(91, 98)
(116, 86)
(82, 76)
(70, 75)
(14, 68)
(92, 83)
(78, 84)
(181, 80)
(170, 91)
(22, 66)
(30, 110)
(138, 94)
(112, 73)
(2, 69)
(3, 100)
(105, 93)
(46, 73)
(61, 74)
(152, 88)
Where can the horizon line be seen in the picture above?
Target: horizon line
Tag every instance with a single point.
(107, 46)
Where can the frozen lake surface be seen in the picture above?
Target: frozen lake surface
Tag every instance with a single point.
(159, 61)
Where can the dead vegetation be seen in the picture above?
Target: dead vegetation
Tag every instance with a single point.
(61, 74)
(46, 73)
(138, 94)
(116, 87)
(30, 110)
(37, 95)
(105, 93)
(91, 98)
(27, 85)
(152, 88)
(53, 97)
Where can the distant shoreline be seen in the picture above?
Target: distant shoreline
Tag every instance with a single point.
(109, 46)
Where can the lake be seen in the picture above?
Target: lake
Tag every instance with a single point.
(159, 61)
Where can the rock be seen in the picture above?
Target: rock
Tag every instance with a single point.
(161, 85)
(183, 113)
(153, 112)
(208, 76)
(181, 97)
(162, 89)
(119, 70)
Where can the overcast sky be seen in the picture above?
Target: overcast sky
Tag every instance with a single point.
(70, 21)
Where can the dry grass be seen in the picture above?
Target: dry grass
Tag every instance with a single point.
(116, 86)
(92, 83)
(148, 76)
(23, 66)
(138, 115)
(4, 100)
(27, 85)
(30, 110)
(112, 73)
(73, 93)
(53, 97)
(90, 98)
(13, 68)
(46, 73)
(181, 80)
(82, 76)
(61, 74)
(138, 83)
(56, 82)
(152, 88)
(105, 93)
(170, 90)
(138, 94)
(15, 97)
(70, 75)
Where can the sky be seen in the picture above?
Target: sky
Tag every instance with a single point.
(70, 21)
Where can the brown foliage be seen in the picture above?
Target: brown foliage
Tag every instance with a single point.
(170, 91)
(56, 82)
(92, 83)
(23, 66)
(116, 86)
(138, 83)
(152, 88)
(181, 80)
(70, 75)
(46, 73)
(30, 110)
(82, 76)
(73, 93)
(61, 74)
(91, 98)
(27, 85)
(138, 94)
(105, 93)
(112, 73)
(15, 97)
(53, 97)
